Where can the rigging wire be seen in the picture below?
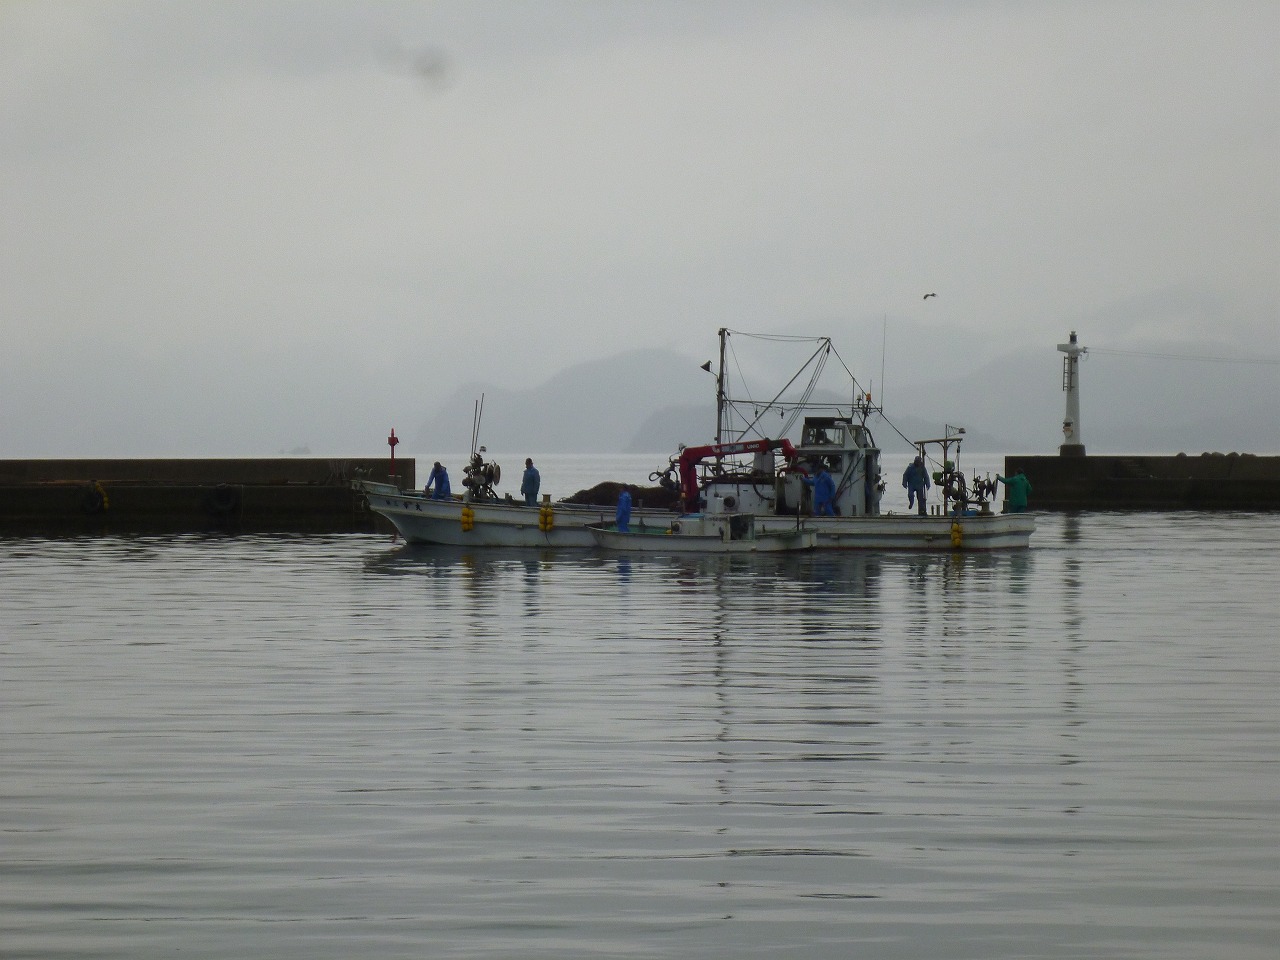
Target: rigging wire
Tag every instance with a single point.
(818, 359)
(777, 337)
(824, 350)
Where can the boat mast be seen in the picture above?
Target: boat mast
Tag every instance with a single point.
(720, 398)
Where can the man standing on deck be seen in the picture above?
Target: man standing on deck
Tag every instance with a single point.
(916, 481)
(530, 483)
(824, 492)
(622, 516)
(1016, 489)
(439, 478)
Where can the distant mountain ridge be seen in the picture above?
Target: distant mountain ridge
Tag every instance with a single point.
(644, 401)
(650, 401)
(633, 402)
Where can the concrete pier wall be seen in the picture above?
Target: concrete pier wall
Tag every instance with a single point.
(271, 470)
(1210, 481)
(304, 495)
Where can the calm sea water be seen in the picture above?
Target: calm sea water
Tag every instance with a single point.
(340, 747)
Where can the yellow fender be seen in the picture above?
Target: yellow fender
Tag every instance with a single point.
(957, 534)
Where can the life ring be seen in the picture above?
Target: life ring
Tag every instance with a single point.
(223, 500)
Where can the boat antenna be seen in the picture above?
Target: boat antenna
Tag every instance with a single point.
(884, 336)
(475, 423)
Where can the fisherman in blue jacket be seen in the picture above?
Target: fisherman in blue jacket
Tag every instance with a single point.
(916, 482)
(824, 493)
(530, 483)
(622, 517)
(439, 478)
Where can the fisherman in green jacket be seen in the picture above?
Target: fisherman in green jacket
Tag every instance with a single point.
(1016, 489)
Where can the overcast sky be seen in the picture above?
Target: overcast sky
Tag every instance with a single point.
(232, 228)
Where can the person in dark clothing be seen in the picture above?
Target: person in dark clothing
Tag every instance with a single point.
(530, 483)
(915, 479)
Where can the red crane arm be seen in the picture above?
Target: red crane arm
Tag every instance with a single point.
(690, 457)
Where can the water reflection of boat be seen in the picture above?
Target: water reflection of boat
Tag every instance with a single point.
(721, 532)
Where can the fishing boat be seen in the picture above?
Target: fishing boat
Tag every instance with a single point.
(480, 517)
(777, 484)
(744, 473)
(714, 532)
(778, 492)
(458, 521)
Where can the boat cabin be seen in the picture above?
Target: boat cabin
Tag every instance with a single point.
(843, 446)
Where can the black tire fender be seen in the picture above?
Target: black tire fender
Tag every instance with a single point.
(223, 500)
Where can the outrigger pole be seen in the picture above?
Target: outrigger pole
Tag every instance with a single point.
(951, 436)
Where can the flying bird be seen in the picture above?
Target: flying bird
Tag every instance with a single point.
(928, 295)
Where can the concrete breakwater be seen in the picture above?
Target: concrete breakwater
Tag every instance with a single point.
(285, 494)
(1210, 481)
(314, 495)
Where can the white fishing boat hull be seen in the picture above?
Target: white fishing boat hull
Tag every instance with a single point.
(420, 519)
(993, 531)
(702, 535)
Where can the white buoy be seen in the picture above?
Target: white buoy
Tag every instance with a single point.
(1072, 440)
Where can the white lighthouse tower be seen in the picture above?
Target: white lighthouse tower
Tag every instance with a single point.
(1072, 441)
